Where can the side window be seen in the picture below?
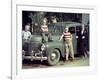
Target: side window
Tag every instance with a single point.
(72, 30)
(78, 28)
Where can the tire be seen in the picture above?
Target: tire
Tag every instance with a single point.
(53, 57)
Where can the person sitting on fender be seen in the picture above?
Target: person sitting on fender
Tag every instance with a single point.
(45, 32)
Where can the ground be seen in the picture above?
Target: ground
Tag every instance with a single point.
(79, 61)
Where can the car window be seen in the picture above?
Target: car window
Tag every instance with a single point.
(55, 30)
(36, 31)
(72, 30)
(78, 28)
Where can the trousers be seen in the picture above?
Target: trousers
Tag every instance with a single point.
(69, 48)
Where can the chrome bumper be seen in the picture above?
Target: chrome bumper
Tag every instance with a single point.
(35, 58)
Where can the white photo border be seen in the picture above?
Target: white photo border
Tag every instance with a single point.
(18, 72)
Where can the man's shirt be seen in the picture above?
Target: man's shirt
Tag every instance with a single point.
(67, 35)
(26, 35)
(44, 28)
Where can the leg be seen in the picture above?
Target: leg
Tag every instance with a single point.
(85, 48)
(66, 51)
(43, 37)
(49, 36)
(71, 49)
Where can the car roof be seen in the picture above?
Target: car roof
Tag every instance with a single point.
(66, 24)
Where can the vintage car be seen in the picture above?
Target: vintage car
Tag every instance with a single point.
(50, 51)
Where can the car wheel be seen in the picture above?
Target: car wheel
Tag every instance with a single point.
(53, 57)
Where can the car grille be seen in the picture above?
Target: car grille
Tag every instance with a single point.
(33, 46)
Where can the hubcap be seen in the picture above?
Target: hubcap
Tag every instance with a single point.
(53, 56)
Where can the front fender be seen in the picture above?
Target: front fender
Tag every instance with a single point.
(55, 45)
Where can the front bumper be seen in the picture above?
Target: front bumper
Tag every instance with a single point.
(35, 56)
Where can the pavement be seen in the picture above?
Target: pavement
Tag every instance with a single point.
(79, 61)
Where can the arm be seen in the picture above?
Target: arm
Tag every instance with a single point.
(22, 34)
(61, 37)
(83, 35)
(71, 36)
(29, 36)
(42, 28)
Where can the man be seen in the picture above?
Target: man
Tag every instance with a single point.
(54, 19)
(67, 38)
(26, 36)
(83, 45)
(45, 31)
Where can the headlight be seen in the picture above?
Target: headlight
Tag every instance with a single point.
(32, 51)
(43, 47)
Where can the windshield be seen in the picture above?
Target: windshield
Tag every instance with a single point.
(36, 31)
(55, 30)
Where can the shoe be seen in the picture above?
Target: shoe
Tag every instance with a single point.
(65, 61)
(71, 60)
(43, 41)
(50, 40)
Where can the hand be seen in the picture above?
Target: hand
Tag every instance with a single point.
(59, 39)
(76, 36)
(83, 37)
(36, 24)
